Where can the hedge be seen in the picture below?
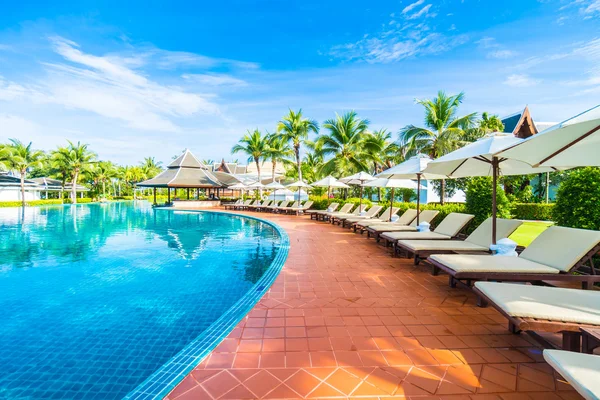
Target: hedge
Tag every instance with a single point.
(321, 202)
(30, 203)
(79, 200)
(443, 210)
(578, 200)
(532, 211)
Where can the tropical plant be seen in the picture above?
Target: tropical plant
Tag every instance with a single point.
(79, 160)
(479, 200)
(578, 200)
(294, 129)
(103, 172)
(487, 124)
(443, 131)
(255, 146)
(21, 158)
(4, 156)
(151, 167)
(279, 151)
(382, 151)
(345, 144)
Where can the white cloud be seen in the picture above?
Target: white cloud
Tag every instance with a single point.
(412, 6)
(592, 8)
(215, 79)
(108, 86)
(173, 59)
(399, 40)
(501, 54)
(521, 80)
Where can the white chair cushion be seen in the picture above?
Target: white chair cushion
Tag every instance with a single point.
(482, 236)
(498, 264)
(443, 245)
(561, 247)
(392, 228)
(414, 236)
(550, 303)
(453, 224)
(582, 371)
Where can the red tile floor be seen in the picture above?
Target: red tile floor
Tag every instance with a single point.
(346, 320)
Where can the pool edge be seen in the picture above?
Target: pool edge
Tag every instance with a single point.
(167, 377)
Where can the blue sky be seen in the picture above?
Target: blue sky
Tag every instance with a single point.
(136, 79)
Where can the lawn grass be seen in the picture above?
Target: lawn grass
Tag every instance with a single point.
(525, 234)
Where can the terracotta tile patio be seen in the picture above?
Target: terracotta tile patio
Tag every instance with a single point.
(346, 320)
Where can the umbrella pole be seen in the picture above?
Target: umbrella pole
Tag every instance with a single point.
(328, 195)
(494, 205)
(418, 197)
(361, 194)
(391, 203)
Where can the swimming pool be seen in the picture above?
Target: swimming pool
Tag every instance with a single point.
(105, 301)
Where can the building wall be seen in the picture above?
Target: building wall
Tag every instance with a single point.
(14, 194)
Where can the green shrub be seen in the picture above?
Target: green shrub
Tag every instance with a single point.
(321, 202)
(444, 210)
(532, 211)
(578, 200)
(479, 200)
(30, 203)
(79, 200)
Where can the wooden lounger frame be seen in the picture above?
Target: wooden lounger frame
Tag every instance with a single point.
(587, 278)
(571, 334)
(419, 255)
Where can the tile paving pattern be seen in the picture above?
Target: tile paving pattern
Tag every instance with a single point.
(346, 320)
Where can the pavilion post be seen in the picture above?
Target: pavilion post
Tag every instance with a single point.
(154, 195)
(418, 197)
(188, 193)
(169, 195)
(495, 164)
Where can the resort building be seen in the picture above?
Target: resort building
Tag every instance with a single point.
(35, 188)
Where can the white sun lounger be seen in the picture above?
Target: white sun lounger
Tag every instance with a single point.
(425, 216)
(582, 371)
(449, 228)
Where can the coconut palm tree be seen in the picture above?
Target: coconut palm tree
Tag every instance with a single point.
(294, 129)
(382, 152)
(103, 172)
(255, 146)
(79, 160)
(4, 156)
(21, 158)
(59, 165)
(279, 150)
(345, 143)
(151, 167)
(443, 131)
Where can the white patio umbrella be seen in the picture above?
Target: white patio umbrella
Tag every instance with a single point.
(275, 185)
(481, 158)
(572, 143)
(412, 169)
(358, 179)
(258, 186)
(238, 186)
(392, 184)
(299, 184)
(330, 182)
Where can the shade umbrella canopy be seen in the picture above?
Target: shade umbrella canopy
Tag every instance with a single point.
(358, 179)
(572, 143)
(238, 186)
(256, 185)
(392, 184)
(412, 169)
(330, 182)
(299, 184)
(481, 158)
(275, 185)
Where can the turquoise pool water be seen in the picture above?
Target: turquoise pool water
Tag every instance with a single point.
(94, 299)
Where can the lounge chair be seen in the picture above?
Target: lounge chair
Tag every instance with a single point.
(448, 229)
(299, 209)
(333, 218)
(264, 205)
(295, 204)
(372, 213)
(378, 229)
(314, 214)
(257, 205)
(556, 254)
(246, 204)
(543, 309)
(582, 371)
(232, 206)
(384, 217)
(276, 205)
(326, 215)
(477, 242)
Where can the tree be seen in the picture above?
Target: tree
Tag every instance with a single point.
(79, 159)
(487, 124)
(103, 172)
(151, 167)
(21, 158)
(60, 167)
(279, 150)
(382, 152)
(443, 131)
(295, 128)
(345, 144)
(255, 146)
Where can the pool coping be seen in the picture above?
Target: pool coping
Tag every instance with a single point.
(164, 379)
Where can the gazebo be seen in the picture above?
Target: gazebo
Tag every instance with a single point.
(187, 172)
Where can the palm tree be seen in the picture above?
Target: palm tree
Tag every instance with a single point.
(279, 150)
(255, 146)
(382, 152)
(443, 131)
(4, 156)
(295, 128)
(487, 124)
(104, 171)
(21, 158)
(79, 159)
(151, 167)
(345, 143)
(59, 164)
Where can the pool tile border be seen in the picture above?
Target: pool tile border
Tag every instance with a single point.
(161, 382)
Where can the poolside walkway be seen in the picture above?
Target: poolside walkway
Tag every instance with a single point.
(346, 320)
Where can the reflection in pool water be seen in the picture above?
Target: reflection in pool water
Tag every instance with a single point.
(94, 298)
